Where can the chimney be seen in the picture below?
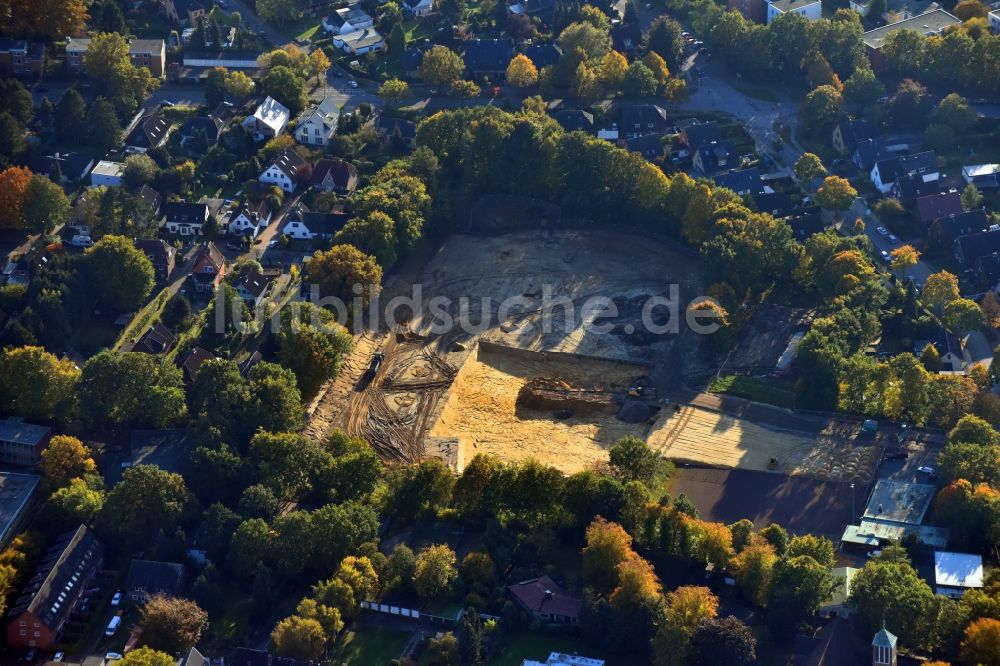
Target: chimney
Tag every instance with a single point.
(548, 594)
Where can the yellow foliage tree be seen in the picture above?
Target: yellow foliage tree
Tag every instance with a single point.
(521, 72)
(637, 582)
(690, 604)
(608, 545)
(613, 67)
(658, 66)
(904, 256)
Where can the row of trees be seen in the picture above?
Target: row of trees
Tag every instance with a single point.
(31, 201)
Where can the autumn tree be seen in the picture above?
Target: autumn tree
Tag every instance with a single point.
(608, 545)
(171, 624)
(238, 84)
(818, 548)
(822, 109)
(393, 91)
(107, 60)
(45, 205)
(318, 64)
(36, 384)
(299, 638)
(940, 289)
(658, 66)
(981, 644)
(637, 584)
(336, 271)
(440, 66)
(809, 167)
(962, 316)
(754, 567)
(836, 194)
(904, 257)
(14, 184)
(584, 84)
(46, 19)
(971, 198)
(435, 571)
(613, 68)
(521, 72)
(146, 656)
(373, 234)
(66, 458)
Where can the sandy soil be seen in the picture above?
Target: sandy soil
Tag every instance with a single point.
(482, 414)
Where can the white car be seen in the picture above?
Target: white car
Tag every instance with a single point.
(885, 257)
(882, 230)
(117, 599)
(352, 83)
(927, 470)
(875, 553)
(892, 239)
(58, 656)
(113, 656)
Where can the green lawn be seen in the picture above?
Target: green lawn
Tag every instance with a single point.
(418, 30)
(758, 389)
(371, 647)
(538, 645)
(305, 29)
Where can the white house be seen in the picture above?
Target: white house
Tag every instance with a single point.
(885, 172)
(286, 170)
(268, 120)
(346, 20)
(360, 42)
(185, 218)
(994, 18)
(107, 173)
(954, 573)
(983, 176)
(418, 7)
(249, 219)
(303, 225)
(317, 124)
(253, 287)
(811, 9)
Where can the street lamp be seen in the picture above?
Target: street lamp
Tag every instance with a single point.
(852, 500)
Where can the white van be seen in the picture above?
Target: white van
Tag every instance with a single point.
(81, 241)
(116, 622)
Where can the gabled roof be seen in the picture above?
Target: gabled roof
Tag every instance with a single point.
(777, 204)
(186, 211)
(324, 112)
(152, 577)
(324, 224)
(254, 283)
(747, 180)
(208, 255)
(488, 55)
(852, 131)
(388, 126)
(191, 360)
(978, 244)
(224, 112)
(697, 134)
(157, 340)
(916, 185)
(961, 224)
(413, 57)
(63, 571)
(867, 152)
(253, 212)
(250, 657)
(343, 173)
(642, 115)
(71, 164)
(944, 342)
(649, 146)
(806, 225)
(150, 196)
(941, 204)
(544, 595)
(574, 119)
(290, 163)
(194, 658)
(543, 55)
(271, 113)
(159, 251)
(150, 132)
(210, 125)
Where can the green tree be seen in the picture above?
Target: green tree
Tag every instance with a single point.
(287, 463)
(633, 460)
(215, 86)
(862, 88)
(120, 389)
(423, 488)
(335, 272)
(799, 585)
(311, 343)
(974, 430)
(809, 167)
(639, 81)
(397, 42)
(299, 638)
(45, 205)
(963, 315)
(435, 571)
(79, 502)
(120, 275)
(145, 656)
(441, 66)
(36, 384)
(16, 100)
(146, 500)
(279, 12)
(818, 548)
(893, 593)
(393, 91)
(823, 108)
(12, 142)
(971, 198)
(140, 170)
(69, 116)
(954, 112)
(172, 624)
(665, 39)
(287, 87)
(836, 194)
(374, 234)
(725, 640)
(584, 42)
(64, 459)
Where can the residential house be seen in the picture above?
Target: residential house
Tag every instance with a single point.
(346, 20)
(268, 120)
(250, 219)
(150, 197)
(208, 269)
(185, 12)
(157, 340)
(225, 113)
(908, 188)
(947, 228)
(994, 21)
(948, 347)
(954, 573)
(19, 57)
(22, 443)
(626, 38)
(149, 53)
(714, 156)
(694, 133)
(418, 8)
(776, 204)
(983, 176)
(185, 218)
(931, 23)
(742, 182)
(317, 124)
(572, 120)
(149, 578)
(543, 9)
(806, 225)
(190, 362)
(200, 133)
(37, 618)
(412, 58)
(836, 605)
(488, 57)
(254, 287)
(546, 600)
(987, 270)
(811, 9)
(148, 132)
(161, 254)
(397, 129)
(334, 175)
(563, 659)
(970, 247)
(886, 171)
(107, 174)
(287, 170)
(641, 119)
(753, 10)
(848, 132)
(933, 206)
(70, 167)
(360, 42)
(867, 153)
(649, 146)
(543, 55)
(304, 225)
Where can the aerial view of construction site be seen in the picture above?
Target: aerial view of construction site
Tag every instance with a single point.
(561, 393)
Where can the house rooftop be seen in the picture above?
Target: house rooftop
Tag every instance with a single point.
(153, 576)
(785, 6)
(958, 569)
(108, 168)
(931, 23)
(16, 491)
(899, 502)
(544, 595)
(15, 430)
(933, 206)
(978, 170)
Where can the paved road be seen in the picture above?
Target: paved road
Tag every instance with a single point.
(184, 95)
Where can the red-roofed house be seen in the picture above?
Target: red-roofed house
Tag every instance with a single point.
(547, 600)
(209, 269)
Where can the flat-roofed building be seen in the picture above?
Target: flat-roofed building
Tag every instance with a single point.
(16, 491)
(22, 443)
(931, 23)
(954, 573)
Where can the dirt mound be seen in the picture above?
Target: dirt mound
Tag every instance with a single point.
(637, 411)
(544, 393)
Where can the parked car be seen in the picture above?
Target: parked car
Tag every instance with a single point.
(113, 625)
(58, 656)
(117, 599)
(113, 656)
(352, 83)
(882, 231)
(892, 239)
(81, 241)
(885, 256)
(926, 470)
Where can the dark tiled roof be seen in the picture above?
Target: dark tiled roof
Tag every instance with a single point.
(988, 268)
(208, 254)
(254, 283)
(290, 162)
(641, 116)
(961, 224)
(747, 180)
(544, 595)
(149, 132)
(977, 245)
(805, 225)
(344, 174)
(210, 125)
(157, 340)
(778, 204)
(626, 37)
(649, 146)
(700, 133)
(543, 55)
(191, 360)
(324, 224)
(159, 251)
(867, 153)
(852, 131)
(250, 657)
(488, 55)
(574, 119)
(186, 211)
(942, 204)
(388, 125)
(153, 577)
(912, 186)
